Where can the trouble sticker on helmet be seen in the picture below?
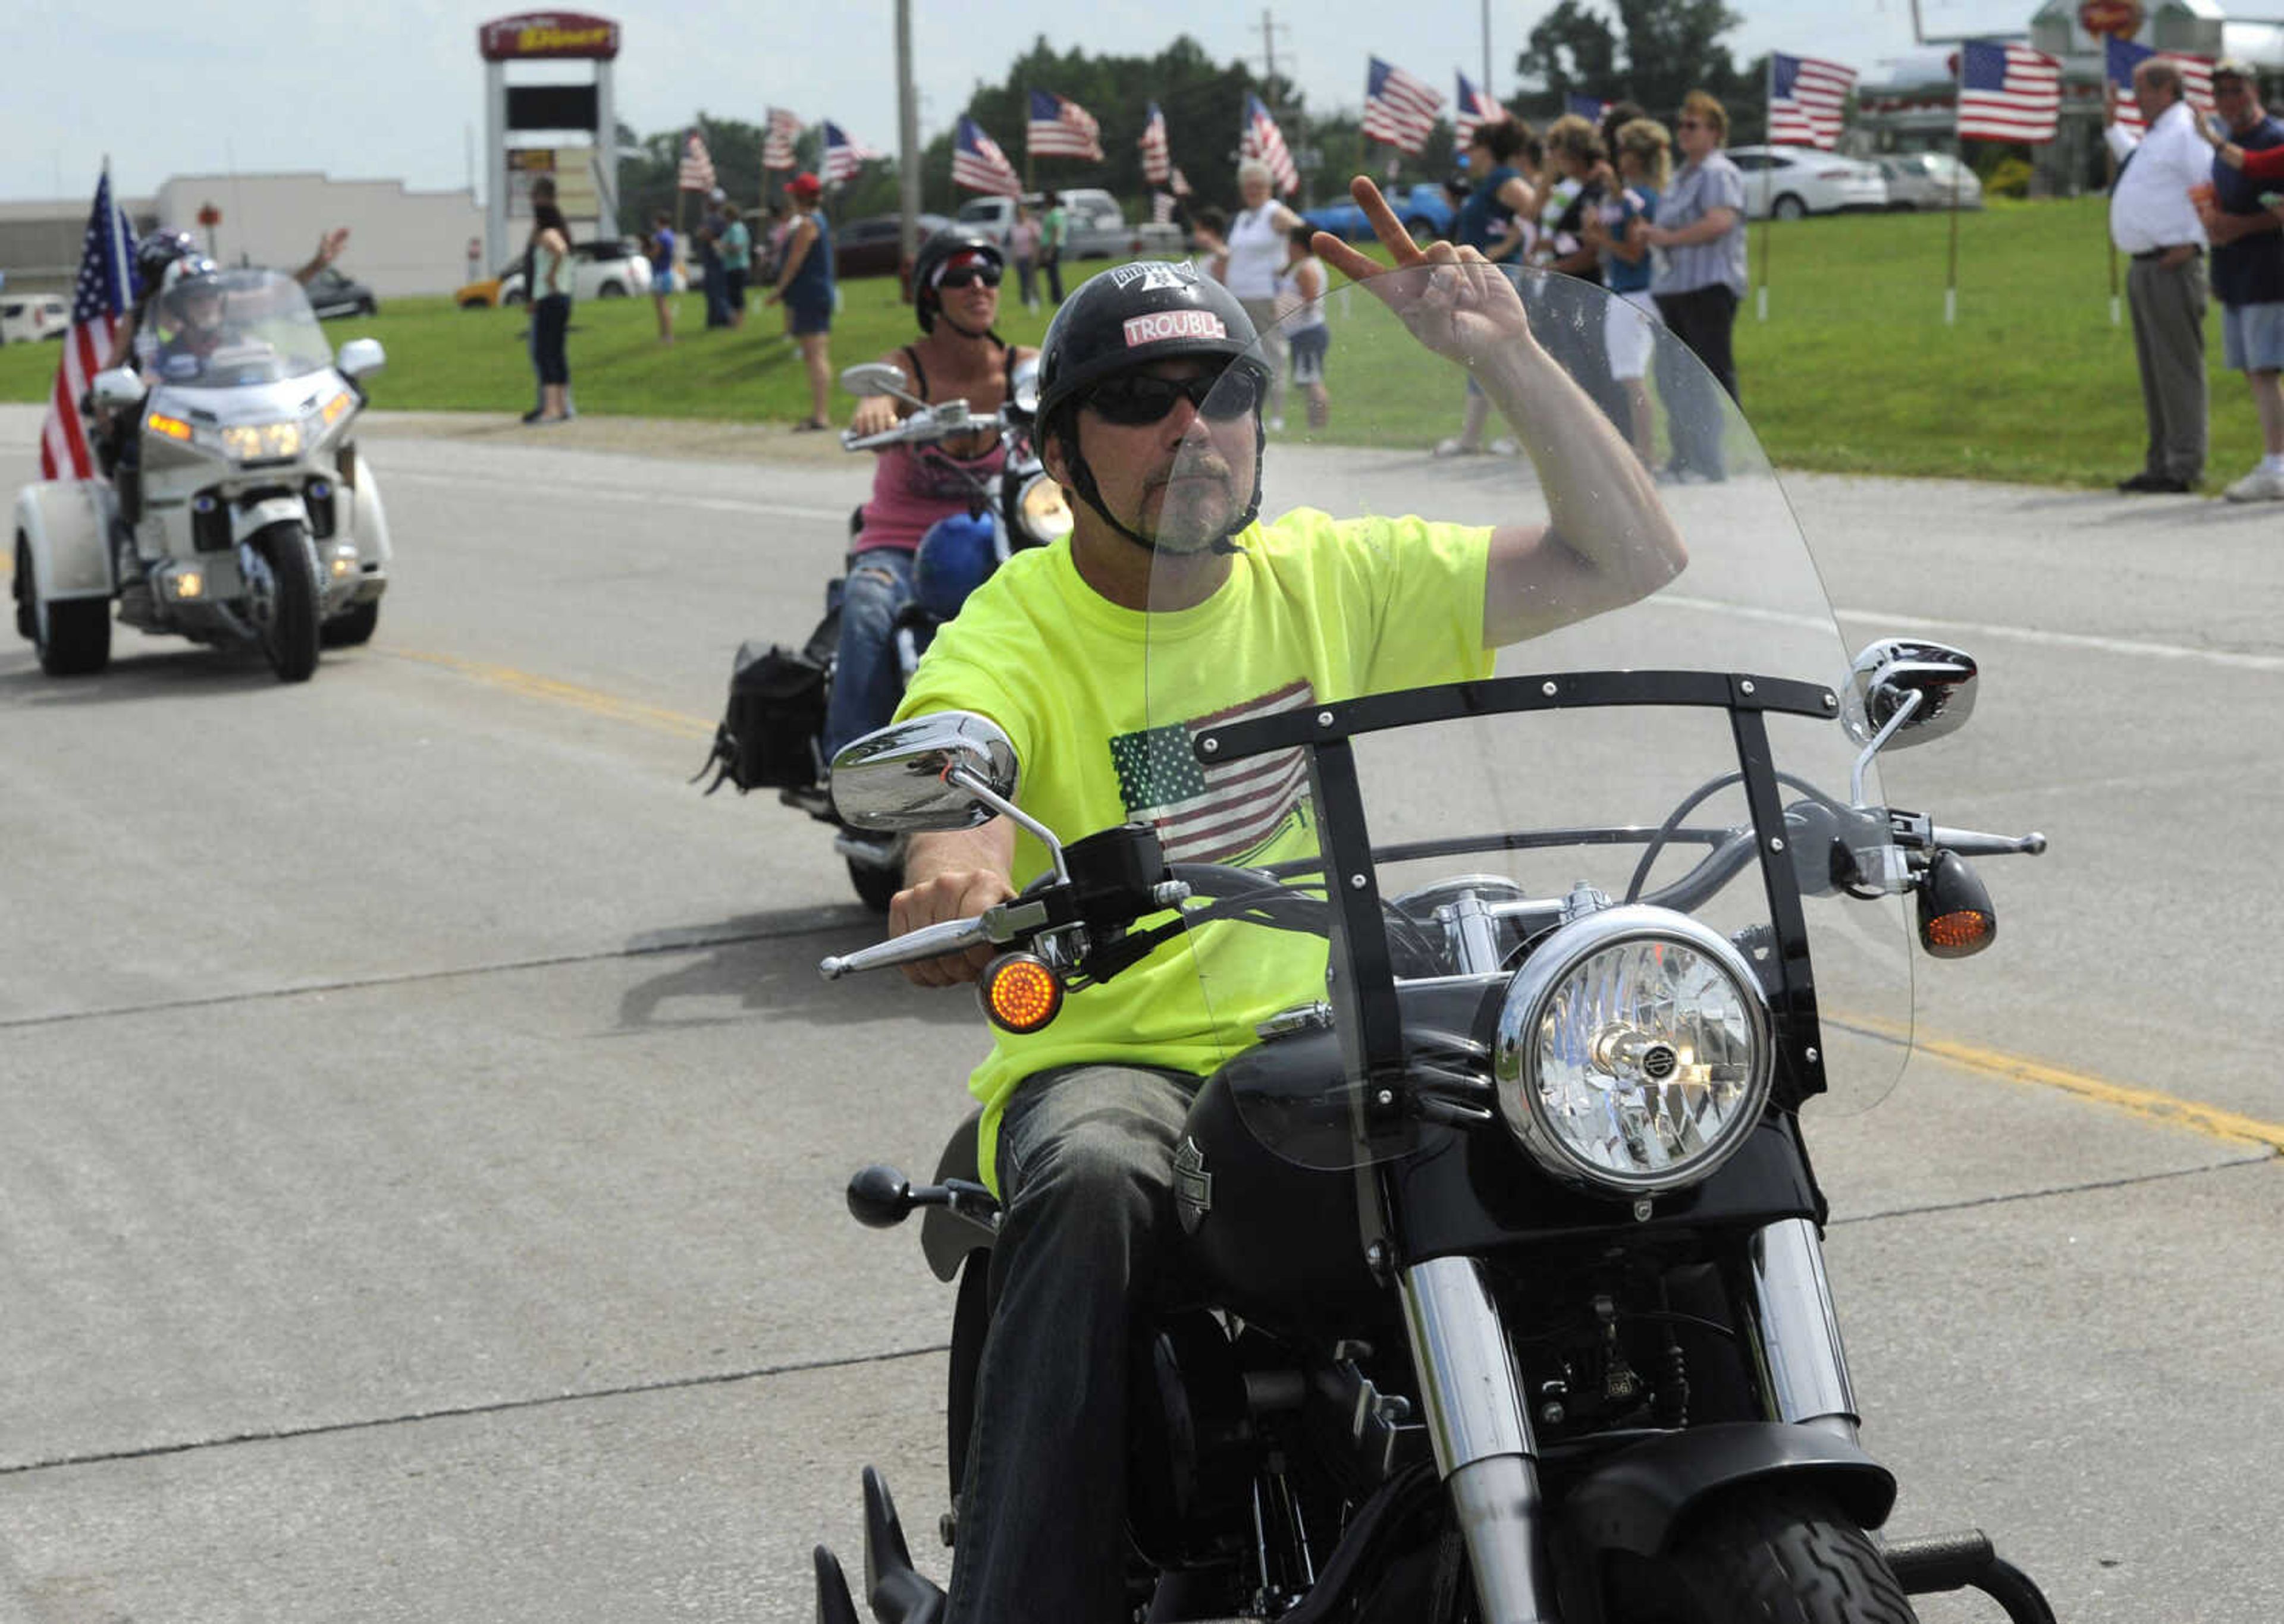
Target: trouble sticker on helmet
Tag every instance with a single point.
(1162, 324)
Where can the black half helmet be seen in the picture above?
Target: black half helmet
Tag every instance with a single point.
(156, 252)
(1128, 317)
(948, 244)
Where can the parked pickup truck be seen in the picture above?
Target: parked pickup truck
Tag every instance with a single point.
(1098, 230)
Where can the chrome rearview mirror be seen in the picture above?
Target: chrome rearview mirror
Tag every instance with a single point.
(877, 378)
(940, 771)
(361, 358)
(1901, 690)
(117, 389)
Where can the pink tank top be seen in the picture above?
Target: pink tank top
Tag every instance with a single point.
(912, 487)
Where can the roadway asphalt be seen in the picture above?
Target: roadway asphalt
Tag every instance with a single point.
(422, 1129)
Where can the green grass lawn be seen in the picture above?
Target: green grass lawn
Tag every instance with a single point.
(1854, 370)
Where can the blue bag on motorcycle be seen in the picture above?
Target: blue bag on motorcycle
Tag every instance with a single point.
(767, 736)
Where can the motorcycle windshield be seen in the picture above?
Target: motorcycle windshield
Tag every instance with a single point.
(1622, 644)
(238, 327)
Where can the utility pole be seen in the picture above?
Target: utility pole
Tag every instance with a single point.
(908, 135)
(1487, 51)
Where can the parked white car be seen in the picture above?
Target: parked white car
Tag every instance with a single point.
(24, 316)
(1925, 180)
(1793, 181)
(616, 268)
(1098, 228)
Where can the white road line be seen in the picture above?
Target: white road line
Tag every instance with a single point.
(619, 493)
(2079, 641)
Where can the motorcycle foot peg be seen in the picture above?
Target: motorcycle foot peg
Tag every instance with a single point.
(896, 1592)
(834, 1605)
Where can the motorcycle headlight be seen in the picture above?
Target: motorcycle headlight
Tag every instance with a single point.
(1634, 1051)
(251, 443)
(1046, 516)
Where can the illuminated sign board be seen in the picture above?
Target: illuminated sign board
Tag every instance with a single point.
(549, 33)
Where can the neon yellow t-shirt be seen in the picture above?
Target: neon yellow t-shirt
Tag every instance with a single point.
(1303, 617)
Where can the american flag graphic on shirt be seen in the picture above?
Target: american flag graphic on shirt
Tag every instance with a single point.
(1218, 813)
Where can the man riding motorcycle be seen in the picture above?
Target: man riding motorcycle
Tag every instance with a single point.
(1151, 418)
(956, 299)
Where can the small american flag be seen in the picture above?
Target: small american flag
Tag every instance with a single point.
(2008, 92)
(1476, 108)
(100, 300)
(1591, 108)
(1161, 208)
(2124, 56)
(978, 164)
(1157, 158)
(1397, 108)
(697, 171)
(842, 156)
(1060, 127)
(1262, 140)
(1805, 98)
(776, 146)
(1212, 814)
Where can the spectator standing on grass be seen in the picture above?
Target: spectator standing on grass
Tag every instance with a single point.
(1701, 225)
(1300, 315)
(1619, 231)
(709, 255)
(1492, 220)
(1054, 231)
(2247, 269)
(737, 261)
(1254, 253)
(550, 312)
(661, 251)
(2152, 218)
(804, 286)
(1023, 248)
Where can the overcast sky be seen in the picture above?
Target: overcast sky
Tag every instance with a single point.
(183, 86)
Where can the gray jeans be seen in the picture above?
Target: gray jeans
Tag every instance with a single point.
(1086, 1169)
(2169, 341)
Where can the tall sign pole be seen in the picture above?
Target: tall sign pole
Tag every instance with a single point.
(908, 135)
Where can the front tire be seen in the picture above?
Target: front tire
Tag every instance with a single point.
(286, 606)
(611, 290)
(1790, 208)
(1781, 1556)
(875, 887)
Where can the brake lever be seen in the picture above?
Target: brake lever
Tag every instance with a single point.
(994, 926)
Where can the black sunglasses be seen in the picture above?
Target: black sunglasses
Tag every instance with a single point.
(961, 276)
(1138, 398)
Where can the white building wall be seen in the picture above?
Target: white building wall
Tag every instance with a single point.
(400, 242)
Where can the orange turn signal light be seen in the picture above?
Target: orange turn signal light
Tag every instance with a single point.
(1020, 992)
(1955, 935)
(172, 428)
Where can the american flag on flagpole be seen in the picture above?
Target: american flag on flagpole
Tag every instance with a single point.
(1264, 141)
(2123, 56)
(842, 156)
(1805, 99)
(1398, 108)
(1474, 108)
(1059, 128)
(978, 164)
(99, 301)
(697, 171)
(1157, 158)
(1208, 814)
(2008, 92)
(776, 146)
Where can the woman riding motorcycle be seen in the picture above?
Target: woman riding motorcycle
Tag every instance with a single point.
(958, 356)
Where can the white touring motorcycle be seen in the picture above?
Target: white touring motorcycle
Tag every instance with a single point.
(248, 516)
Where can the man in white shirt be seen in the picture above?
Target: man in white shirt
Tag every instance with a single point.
(2152, 218)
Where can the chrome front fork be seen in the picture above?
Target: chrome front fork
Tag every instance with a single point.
(1477, 1416)
(1804, 1368)
(1474, 1398)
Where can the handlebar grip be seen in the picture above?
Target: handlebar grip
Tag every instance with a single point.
(929, 941)
(1973, 843)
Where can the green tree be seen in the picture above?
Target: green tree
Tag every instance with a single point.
(1655, 52)
(1573, 49)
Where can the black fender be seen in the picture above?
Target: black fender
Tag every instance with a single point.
(947, 1237)
(1634, 1501)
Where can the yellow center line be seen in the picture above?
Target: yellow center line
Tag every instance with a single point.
(593, 701)
(2148, 1103)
